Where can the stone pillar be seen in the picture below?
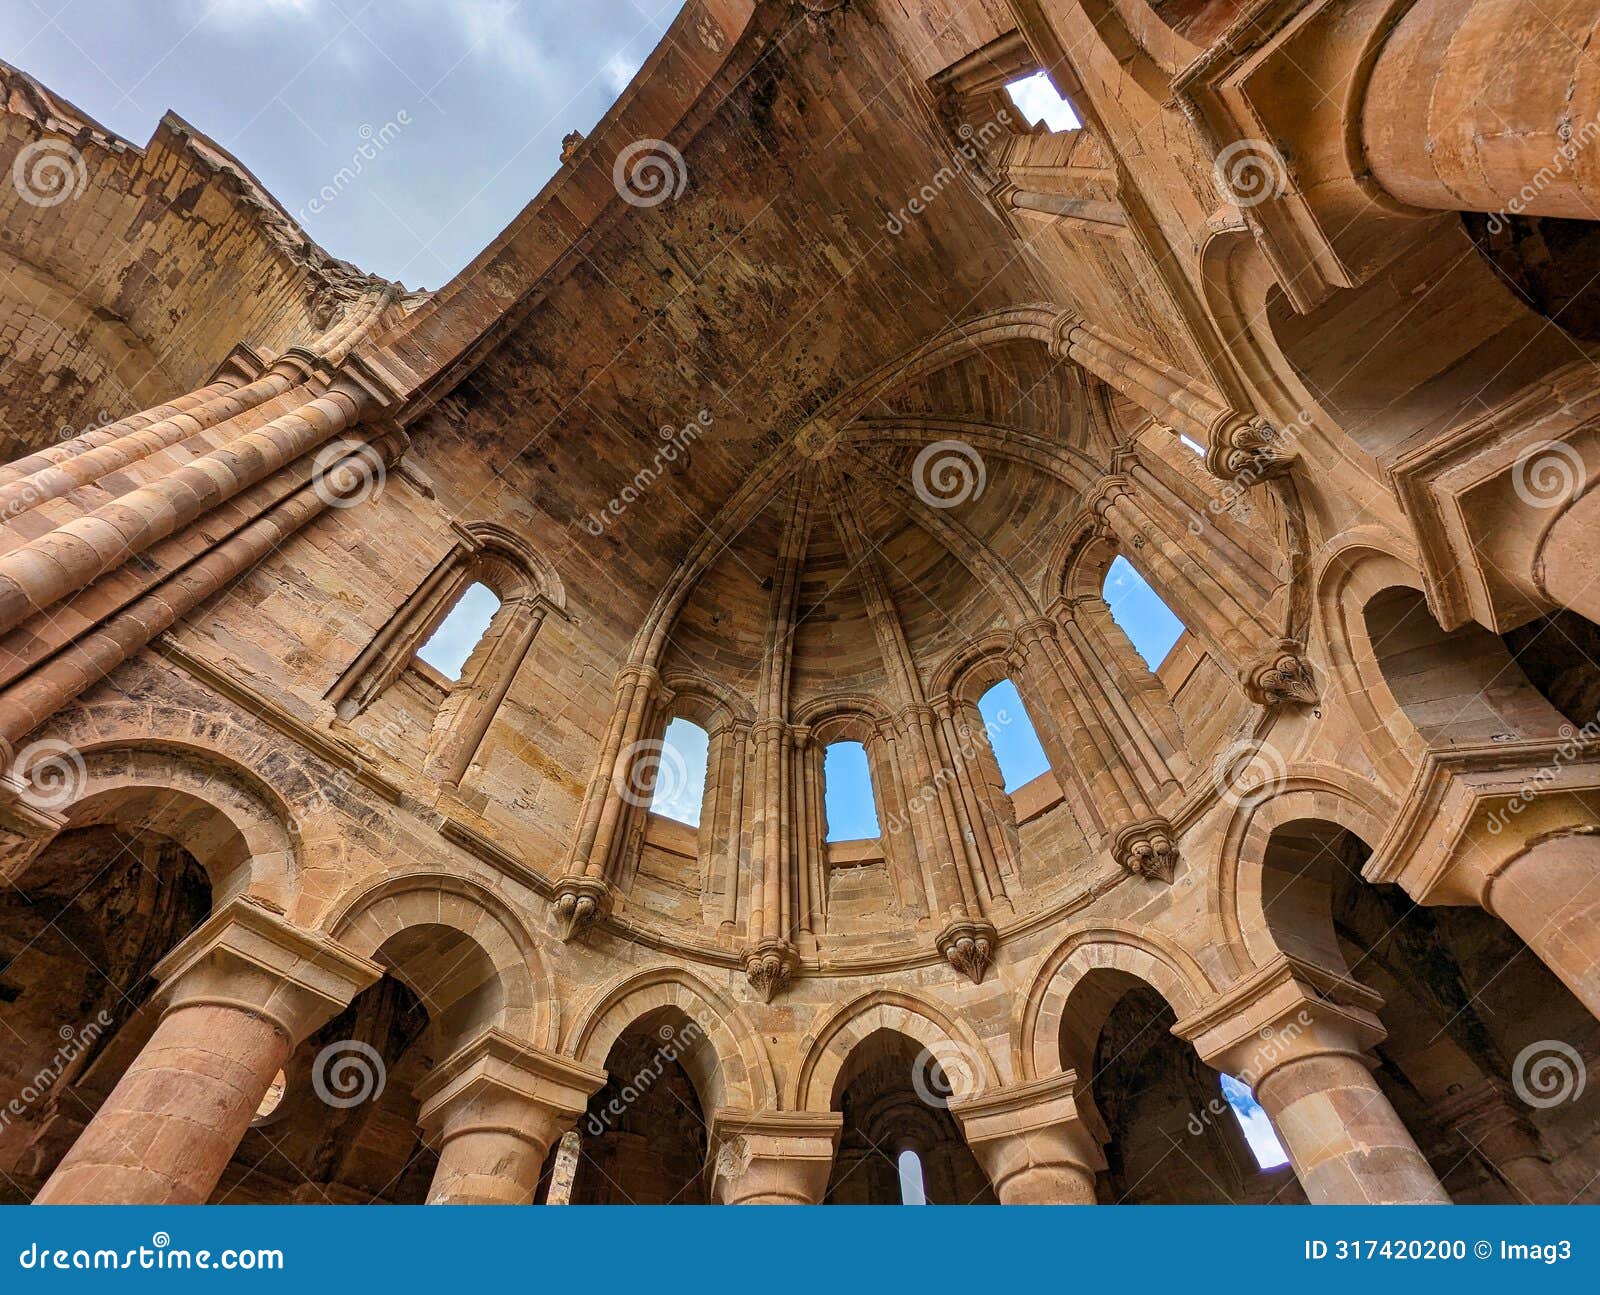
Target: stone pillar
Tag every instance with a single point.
(1299, 1037)
(238, 994)
(1488, 1119)
(1480, 105)
(1550, 896)
(772, 1157)
(1565, 565)
(493, 1109)
(1039, 1141)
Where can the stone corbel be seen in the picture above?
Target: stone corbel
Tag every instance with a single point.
(1280, 676)
(1244, 449)
(968, 945)
(26, 826)
(580, 904)
(241, 366)
(1148, 849)
(770, 966)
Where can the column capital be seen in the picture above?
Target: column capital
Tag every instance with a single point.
(241, 366)
(1039, 1141)
(496, 1083)
(770, 966)
(1287, 1011)
(1279, 675)
(772, 1157)
(1245, 449)
(968, 945)
(1147, 849)
(248, 957)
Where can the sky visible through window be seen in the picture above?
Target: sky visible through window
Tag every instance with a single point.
(1258, 1130)
(1037, 100)
(912, 1190)
(847, 796)
(1138, 609)
(1011, 734)
(451, 644)
(681, 779)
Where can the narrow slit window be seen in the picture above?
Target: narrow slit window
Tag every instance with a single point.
(1255, 1125)
(847, 793)
(1192, 445)
(1036, 99)
(680, 773)
(1137, 608)
(448, 648)
(913, 1190)
(1011, 733)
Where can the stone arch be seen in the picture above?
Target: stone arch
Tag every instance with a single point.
(738, 1074)
(843, 717)
(460, 948)
(1322, 793)
(1356, 565)
(974, 667)
(1080, 965)
(234, 825)
(950, 1040)
(705, 701)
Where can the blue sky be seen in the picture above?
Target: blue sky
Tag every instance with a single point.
(482, 92)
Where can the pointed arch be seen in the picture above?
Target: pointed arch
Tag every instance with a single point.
(1090, 952)
(738, 1075)
(950, 1040)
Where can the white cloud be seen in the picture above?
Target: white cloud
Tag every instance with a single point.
(618, 71)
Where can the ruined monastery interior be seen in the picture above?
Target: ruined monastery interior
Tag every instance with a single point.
(819, 394)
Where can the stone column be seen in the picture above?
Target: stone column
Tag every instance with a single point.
(1550, 896)
(1039, 1141)
(1300, 1038)
(1480, 105)
(493, 1109)
(772, 1157)
(238, 994)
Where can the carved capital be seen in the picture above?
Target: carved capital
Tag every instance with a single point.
(1246, 450)
(1280, 676)
(1147, 849)
(580, 902)
(968, 945)
(770, 966)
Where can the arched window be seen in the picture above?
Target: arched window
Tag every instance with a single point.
(912, 1189)
(1139, 612)
(680, 774)
(1254, 1124)
(449, 646)
(1036, 99)
(1011, 735)
(847, 797)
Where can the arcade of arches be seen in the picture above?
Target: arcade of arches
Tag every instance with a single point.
(818, 443)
